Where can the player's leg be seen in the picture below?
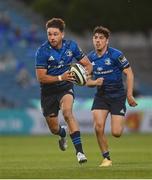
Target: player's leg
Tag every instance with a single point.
(52, 124)
(66, 104)
(118, 110)
(50, 107)
(117, 125)
(100, 110)
(56, 129)
(99, 119)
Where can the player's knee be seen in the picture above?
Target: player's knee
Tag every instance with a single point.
(67, 114)
(54, 130)
(116, 133)
(99, 128)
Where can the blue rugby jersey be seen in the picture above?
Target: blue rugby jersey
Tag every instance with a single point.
(57, 61)
(109, 66)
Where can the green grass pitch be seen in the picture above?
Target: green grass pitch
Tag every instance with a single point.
(37, 157)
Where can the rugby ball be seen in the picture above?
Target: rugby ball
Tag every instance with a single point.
(79, 73)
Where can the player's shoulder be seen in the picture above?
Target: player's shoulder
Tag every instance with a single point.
(70, 42)
(114, 53)
(43, 47)
(72, 45)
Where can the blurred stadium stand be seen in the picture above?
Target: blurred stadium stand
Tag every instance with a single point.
(19, 40)
(22, 31)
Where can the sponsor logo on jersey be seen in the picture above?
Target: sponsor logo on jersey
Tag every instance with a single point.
(122, 59)
(99, 69)
(60, 65)
(51, 58)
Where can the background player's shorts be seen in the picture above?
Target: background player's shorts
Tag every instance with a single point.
(116, 106)
(51, 103)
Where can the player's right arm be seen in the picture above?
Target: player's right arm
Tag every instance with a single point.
(42, 76)
(42, 69)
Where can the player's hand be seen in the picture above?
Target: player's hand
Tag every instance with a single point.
(131, 101)
(99, 81)
(93, 83)
(68, 76)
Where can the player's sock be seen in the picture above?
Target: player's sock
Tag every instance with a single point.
(62, 132)
(106, 155)
(76, 139)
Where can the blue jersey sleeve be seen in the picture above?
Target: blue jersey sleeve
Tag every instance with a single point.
(41, 59)
(77, 51)
(121, 60)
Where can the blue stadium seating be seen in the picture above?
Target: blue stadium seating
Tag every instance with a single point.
(15, 39)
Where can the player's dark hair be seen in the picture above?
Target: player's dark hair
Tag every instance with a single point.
(102, 30)
(56, 23)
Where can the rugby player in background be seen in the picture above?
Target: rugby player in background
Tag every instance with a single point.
(109, 64)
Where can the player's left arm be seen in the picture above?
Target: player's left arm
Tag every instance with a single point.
(87, 64)
(82, 58)
(130, 83)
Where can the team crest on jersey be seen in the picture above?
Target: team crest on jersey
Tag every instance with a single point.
(51, 58)
(69, 53)
(108, 61)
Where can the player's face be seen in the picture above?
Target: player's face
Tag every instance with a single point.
(100, 42)
(55, 37)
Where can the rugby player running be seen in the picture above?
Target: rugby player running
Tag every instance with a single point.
(53, 59)
(109, 64)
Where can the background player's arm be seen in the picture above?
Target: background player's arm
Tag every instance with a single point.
(42, 77)
(93, 83)
(130, 83)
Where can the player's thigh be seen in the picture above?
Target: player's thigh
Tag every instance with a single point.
(99, 117)
(50, 105)
(118, 106)
(100, 111)
(118, 110)
(66, 107)
(117, 124)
